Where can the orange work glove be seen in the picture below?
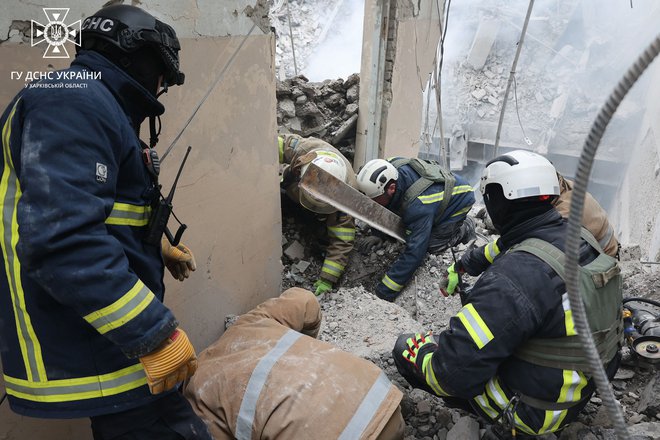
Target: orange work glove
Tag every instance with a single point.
(172, 362)
(179, 260)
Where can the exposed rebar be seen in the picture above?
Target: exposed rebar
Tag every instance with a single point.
(574, 220)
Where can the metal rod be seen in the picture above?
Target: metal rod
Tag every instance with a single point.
(511, 75)
(293, 46)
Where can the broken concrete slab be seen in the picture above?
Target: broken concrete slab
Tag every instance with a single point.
(482, 43)
(465, 429)
(302, 265)
(295, 251)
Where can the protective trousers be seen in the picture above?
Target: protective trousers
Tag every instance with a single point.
(169, 418)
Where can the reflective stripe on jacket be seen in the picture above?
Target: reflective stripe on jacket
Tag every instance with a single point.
(268, 377)
(81, 294)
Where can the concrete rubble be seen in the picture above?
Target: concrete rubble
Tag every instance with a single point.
(327, 110)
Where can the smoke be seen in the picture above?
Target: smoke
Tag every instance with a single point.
(573, 55)
(338, 55)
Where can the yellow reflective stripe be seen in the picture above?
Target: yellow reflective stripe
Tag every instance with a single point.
(392, 285)
(327, 153)
(123, 310)
(569, 324)
(344, 234)
(124, 214)
(476, 327)
(436, 197)
(10, 194)
(461, 211)
(483, 403)
(429, 374)
(280, 147)
(65, 390)
(571, 391)
(497, 394)
(332, 268)
(491, 251)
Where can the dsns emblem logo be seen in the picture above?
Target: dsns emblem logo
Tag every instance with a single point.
(55, 33)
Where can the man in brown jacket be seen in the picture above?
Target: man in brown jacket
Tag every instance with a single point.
(268, 377)
(297, 152)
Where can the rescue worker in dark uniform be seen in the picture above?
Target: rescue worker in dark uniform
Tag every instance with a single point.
(511, 355)
(83, 329)
(594, 219)
(435, 219)
(297, 152)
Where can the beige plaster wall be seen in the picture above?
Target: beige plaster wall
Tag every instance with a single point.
(417, 40)
(228, 194)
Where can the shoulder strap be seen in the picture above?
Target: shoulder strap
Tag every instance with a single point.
(545, 251)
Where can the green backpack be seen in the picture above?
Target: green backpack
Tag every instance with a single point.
(430, 172)
(602, 293)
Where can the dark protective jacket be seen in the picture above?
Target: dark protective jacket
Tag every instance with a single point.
(268, 377)
(340, 227)
(517, 298)
(80, 293)
(594, 219)
(419, 220)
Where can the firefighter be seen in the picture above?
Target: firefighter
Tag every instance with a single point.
(269, 377)
(433, 204)
(83, 329)
(339, 231)
(594, 219)
(511, 354)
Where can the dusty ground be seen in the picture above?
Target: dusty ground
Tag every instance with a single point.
(359, 322)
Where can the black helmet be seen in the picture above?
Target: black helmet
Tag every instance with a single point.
(130, 29)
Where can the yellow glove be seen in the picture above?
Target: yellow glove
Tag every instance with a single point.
(172, 362)
(179, 260)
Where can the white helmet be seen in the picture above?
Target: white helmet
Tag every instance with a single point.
(521, 174)
(333, 164)
(374, 175)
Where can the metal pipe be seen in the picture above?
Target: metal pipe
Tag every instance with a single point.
(511, 74)
(293, 46)
(573, 236)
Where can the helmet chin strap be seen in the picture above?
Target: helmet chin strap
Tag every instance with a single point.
(153, 132)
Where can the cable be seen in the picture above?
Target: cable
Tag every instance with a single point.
(208, 92)
(644, 300)
(515, 95)
(574, 220)
(511, 76)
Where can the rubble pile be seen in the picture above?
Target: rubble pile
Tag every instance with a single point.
(327, 110)
(357, 321)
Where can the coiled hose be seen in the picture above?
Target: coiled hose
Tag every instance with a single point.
(573, 237)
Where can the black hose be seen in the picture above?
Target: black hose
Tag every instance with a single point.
(644, 300)
(573, 236)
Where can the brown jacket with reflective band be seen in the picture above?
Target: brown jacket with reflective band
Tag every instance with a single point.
(340, 227)
(312, 390)
(594, 217)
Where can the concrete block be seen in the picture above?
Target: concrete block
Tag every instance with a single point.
(482, 43)
(558, 106)
(466, 428)
(302, 265)
(287, 107)
(295, 251)
(479, 93)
